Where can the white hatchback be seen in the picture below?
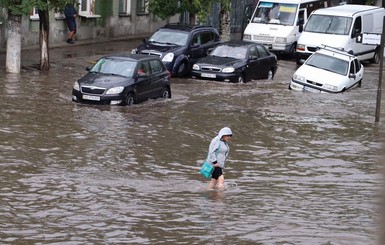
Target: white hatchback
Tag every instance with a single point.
(328, 70)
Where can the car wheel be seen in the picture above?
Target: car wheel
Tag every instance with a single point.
(292, 50)
(241, 79)
(359, 84)
(166, 93)
(130, 99)
(270, 74)
(182, 69)
(376, 58)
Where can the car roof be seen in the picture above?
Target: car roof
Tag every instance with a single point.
(329, 51)
(347, 10)
(237, 43)
(185, 27)
(134, 57)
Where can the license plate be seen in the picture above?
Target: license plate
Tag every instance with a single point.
(90, 97)
(209, 75)
(312, 90)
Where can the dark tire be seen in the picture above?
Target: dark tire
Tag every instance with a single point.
(166, 93)
(130, 99)
(241, 78)
(270, 74)
(292, 50)
(182, 70)
(376, 57)
(359, 84)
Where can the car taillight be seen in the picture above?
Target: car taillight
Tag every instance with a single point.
(169, 75)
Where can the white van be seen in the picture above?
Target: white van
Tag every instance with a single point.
(277, 23)
(342, 27)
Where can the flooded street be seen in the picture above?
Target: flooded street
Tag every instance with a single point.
(303, 168)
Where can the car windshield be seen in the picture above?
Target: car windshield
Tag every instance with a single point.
(329, 24)
(169, 37)
(328, 63)
(114, 67)
(229, 52)
(275, 13)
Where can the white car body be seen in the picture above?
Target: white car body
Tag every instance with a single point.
(316, 77)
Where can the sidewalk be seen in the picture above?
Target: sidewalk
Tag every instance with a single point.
(57, 51)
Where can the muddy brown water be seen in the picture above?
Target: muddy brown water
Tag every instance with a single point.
(303, 168)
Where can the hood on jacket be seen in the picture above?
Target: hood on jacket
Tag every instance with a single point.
(224, 131)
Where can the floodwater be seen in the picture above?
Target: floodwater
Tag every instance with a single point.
(303, 168)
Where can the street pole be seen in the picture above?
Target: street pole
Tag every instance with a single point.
(379, 88)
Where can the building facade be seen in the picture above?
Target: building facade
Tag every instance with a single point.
(96, 19)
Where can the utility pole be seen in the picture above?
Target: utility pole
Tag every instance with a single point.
(379, 88)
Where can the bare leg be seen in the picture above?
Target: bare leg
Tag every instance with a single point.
(221, 182)
(71, 34)
(212, 184)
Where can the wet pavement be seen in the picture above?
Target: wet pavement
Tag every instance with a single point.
(303, 168)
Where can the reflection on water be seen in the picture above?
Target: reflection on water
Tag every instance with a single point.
(302, 167)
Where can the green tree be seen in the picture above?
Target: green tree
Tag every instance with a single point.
(17, 9)
(196, 8)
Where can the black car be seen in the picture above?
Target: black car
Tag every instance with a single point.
(237, 61)
(180, 46)
(123, 79)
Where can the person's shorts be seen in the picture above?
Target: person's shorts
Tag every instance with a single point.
(217, 172)
(71, 25)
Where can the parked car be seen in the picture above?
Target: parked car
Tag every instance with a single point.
(237, 61)
(180, 46)
(123, 79)
(328, 70)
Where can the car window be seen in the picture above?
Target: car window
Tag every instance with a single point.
(262, 51)
(156, 66)
(169, 37)
(357, 64)
(114, 66)
(328, 63)
(254, 52)
(203, 38)
(352, 69)
(144, 68)
(227, 51)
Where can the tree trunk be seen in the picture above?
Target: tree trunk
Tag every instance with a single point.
(13, 56)
(43, 39)
(224, 26)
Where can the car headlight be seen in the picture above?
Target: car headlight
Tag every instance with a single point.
(330, 87)
(76, 86)
(115, 90)
(300, 47)
(246, 37)
(134, 51)
(280, 39)
(228, 69)
(299, 78)
(196, 67)
(168, 57)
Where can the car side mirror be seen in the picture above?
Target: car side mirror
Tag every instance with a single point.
(88, 68)
(253, 57)
(145, 39)
(351, 75)
(300, 28)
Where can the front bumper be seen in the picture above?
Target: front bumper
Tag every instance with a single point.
(79, 97)
(226, 77)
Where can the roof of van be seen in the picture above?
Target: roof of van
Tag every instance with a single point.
(346, 10)
(287, 1)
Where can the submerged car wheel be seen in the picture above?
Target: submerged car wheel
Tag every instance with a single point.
(182, 69)
(130, 99)
(241, 78)
(376, 58)
(270, 74)
(166, 93)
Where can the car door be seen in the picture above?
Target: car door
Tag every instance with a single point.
(355, 73)
(196, 50)
(263, 64)
(252, 67)
(143, 84)
(158, 76)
